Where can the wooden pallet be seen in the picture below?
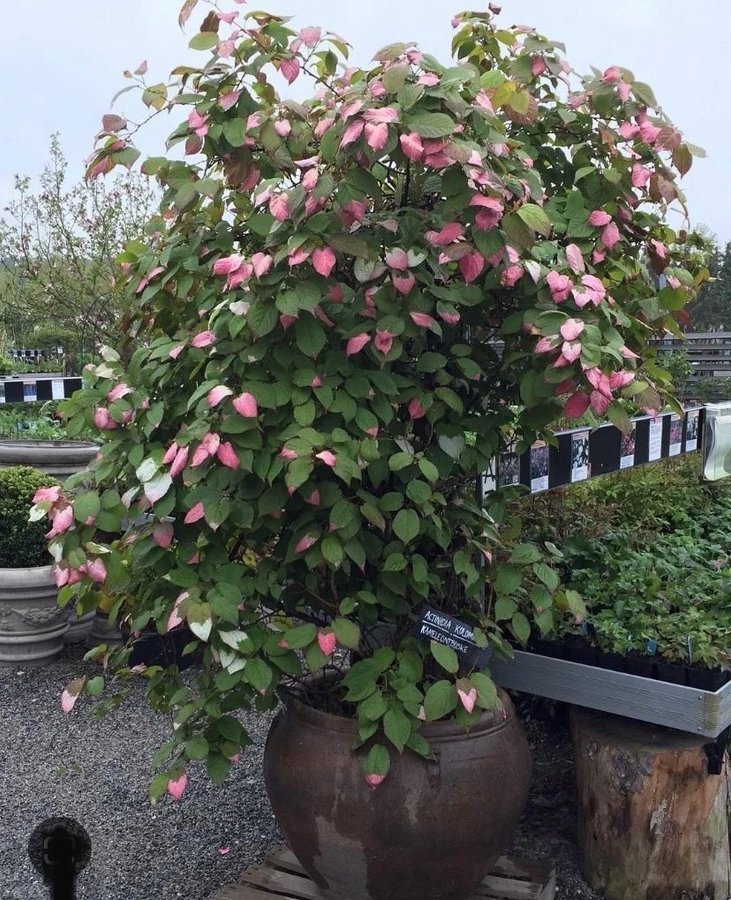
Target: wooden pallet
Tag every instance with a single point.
(283, 878)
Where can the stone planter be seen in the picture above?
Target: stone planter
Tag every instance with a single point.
(32, 625)
(57, 458)
(79, 627)
(103, 631)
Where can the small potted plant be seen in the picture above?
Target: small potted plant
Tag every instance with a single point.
(307, 384)
(32, 625)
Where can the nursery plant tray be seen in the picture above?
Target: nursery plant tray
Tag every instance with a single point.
(283, 878)
(673, 705)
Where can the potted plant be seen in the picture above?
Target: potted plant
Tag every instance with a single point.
(307, 384)
(32, 625)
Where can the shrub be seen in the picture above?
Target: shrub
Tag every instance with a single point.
(22, 543)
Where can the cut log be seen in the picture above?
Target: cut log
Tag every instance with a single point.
(653, 823)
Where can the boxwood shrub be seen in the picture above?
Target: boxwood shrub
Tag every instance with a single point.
(22, 543)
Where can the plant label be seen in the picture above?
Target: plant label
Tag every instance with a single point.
(434, 625)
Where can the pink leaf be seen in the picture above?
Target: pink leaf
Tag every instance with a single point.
(326, 456)
(176, 786)
(416, 410)
(559, 285)
(376, 136)
(283, 127)
(180, 461)
(279, 207)
(640, 175)
(356, 344)
(323, 261)
(227, 455)
(194, 514)
(224, 851)
(381, 115)
(314, 498)
(599, 218)
(468, 698)
(162, 534)
(397, 259)
(600, 403)
(575, 259)
(216, 394)
(412, 146)
(203, 339)
(471, 266)
(327, 642)
(352, 132)
(96, 570)
(304, 543)
(290, 69)
(68, 700)
(571, 329)
(576, 405)
(246, 406)
(309, 36)
(450, 233)
(610, 235)
(383, 341)
(286, 453)
(404, 284)
(261, 263)
(374, 780)
(229, 99)
(175, 619)
(423, 320)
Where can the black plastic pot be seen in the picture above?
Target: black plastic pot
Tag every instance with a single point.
(613, 661)
(707, 679)
(542, 647)
(671, 672)
(643, 666)
(580, 651)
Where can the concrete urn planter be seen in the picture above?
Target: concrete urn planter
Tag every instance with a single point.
(32, 625)
(57, 458)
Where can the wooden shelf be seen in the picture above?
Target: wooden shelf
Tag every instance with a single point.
(673, 705)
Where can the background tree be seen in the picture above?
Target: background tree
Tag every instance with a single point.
(711, 310)
(57, 252)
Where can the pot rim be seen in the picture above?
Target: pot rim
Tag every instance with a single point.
(491, 721)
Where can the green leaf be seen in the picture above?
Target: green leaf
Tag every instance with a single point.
(520, 627)
(332, 551)
(535, 218)
(440, 700)
(204, 40)
(347, 633)
(508, 580)
(429, 470)
(397, 726)
(218, 767)
(300, 636)
(95, 686)
(86, 506)
(378, 761)
(310, 336)
(196, 747)
(547, 576)
(406, 525)
(429, 124)
(487, 695)
(262, 318)
(234, 130)
(524, 554)
(445, 656)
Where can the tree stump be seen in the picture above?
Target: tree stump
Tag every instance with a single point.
(653, 824)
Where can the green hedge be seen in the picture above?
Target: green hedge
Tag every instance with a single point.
(22, 543)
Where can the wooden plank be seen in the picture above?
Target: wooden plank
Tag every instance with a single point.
(283, 878)
(296, 886)
(672, 705)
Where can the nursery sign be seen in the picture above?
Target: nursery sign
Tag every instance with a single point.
(434, 625)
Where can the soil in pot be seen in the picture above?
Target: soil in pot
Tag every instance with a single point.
(431, 829)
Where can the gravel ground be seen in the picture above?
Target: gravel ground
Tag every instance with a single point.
(97, 771)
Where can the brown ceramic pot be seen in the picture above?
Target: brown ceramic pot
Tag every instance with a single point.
(430, 831)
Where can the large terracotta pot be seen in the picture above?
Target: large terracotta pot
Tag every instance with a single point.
(430, 831)
(57, 458)
(32, 625)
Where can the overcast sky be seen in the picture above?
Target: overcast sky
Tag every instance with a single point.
(61, 63)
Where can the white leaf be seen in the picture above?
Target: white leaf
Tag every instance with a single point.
(158, 487)
(201, 630)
